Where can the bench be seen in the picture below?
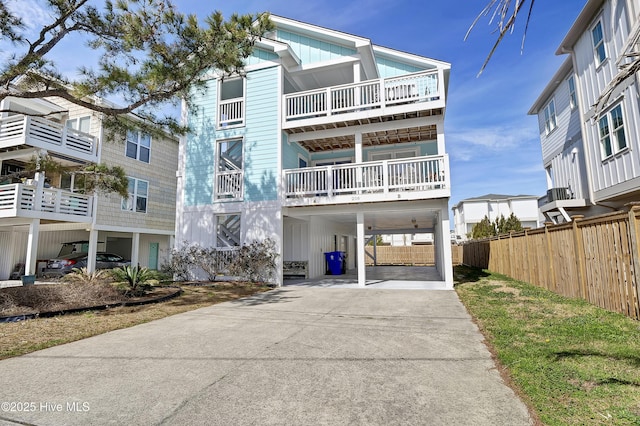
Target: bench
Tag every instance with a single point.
(295, 269)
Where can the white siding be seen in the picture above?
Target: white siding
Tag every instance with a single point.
(625, 165)
(568, 123)
(321, 240)
(568, 170)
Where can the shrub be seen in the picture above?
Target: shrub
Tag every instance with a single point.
(181, 262)
(256, 262)
(133, 280)
(82, 276)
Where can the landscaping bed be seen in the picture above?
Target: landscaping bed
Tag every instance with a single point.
(18, 338)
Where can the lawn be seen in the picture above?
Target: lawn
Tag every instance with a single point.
(572, 363)
(19, 338)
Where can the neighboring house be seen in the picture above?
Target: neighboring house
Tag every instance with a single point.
(327, 140)
(589, 117)
(472, 210)
(42, 212)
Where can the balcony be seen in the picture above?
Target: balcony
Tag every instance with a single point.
(20, 131)
(229, 185)
(25, 201)
(231, 112)
(374, 98)
(407, 179)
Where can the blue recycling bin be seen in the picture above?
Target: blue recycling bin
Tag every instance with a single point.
(335, 262)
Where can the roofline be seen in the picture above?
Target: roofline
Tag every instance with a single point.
(582, 21)
(485, 198)
(422, 60)
(328, 33)
(550, 88)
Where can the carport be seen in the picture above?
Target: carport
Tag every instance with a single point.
(320, 226)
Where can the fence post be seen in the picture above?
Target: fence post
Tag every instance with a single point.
(578, 245)
(552, 272)
(511, 256)
(634, 237)
(528, 255)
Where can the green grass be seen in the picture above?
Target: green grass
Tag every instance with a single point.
(574, 363)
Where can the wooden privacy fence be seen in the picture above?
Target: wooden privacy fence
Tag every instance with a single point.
(596, 259)
(409, 255)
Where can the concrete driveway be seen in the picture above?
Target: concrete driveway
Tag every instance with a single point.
(292, 356)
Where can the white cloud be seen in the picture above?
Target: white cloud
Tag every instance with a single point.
(493, 138)
(32, 13)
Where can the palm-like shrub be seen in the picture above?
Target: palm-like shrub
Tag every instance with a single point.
(133, 280)
(82, 276)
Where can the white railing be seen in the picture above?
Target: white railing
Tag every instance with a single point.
(15, 199)
(412, 174)
(417, 87)
(231, 112)
(37, 131)
(229, 185)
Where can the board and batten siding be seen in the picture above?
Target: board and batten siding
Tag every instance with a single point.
(569, 170)
(262, 135)
(610, 176)
(310, 50)
(388, 68)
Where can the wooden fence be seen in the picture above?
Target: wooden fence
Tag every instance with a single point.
(596, 259)
(409, 255)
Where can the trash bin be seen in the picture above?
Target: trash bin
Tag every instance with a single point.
(335, 262)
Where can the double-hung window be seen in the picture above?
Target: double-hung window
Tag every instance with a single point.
(138, 194)
(599, 50)
(573, 98)
(138, 146)
(611, 131)
(550, 117)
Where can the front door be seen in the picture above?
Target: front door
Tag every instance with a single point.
(153, 255)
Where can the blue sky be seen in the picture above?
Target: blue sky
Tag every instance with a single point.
(492, 143)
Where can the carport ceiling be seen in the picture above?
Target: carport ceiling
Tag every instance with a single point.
(403, 219)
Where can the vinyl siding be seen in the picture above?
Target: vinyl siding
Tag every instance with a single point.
(291, 153)
(199, 156)
(262, 136)
(569, 171)
(310, 50)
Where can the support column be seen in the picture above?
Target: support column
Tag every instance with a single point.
(358, 147)
(135, 249)
(446, 268)
(93, 250)
(362, 279)
(32, 247)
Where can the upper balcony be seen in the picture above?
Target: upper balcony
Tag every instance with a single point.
(29, 201)
(22, 132)
(414, 94)
(414, 178)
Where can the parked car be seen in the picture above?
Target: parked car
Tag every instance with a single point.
(65, 264)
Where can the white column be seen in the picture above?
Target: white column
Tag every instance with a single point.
(362, 279)
(93, 250)
(446, 267)
(440, 138)
(135, 249)
(358, 147)
(32, 247)
(356, 72)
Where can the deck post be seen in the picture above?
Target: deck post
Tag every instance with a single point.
(32, 247)
(93, 250)
(362, 279)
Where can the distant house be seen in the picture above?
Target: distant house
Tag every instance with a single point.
(472, 210)
(40, 212)
(327, 142)
(588, 115)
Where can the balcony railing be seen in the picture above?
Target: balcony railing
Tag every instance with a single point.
(19, 200)
(47, 134)
(372, 94)
(229, 185)
(231, 112)
(413, 174)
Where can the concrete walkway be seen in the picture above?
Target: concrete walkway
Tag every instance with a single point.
(292, 356)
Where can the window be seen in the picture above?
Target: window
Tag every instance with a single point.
(231, 102)
(137, 199)
(573, 99)
(229, 173)
(598, 43)
(302, 163)
(82, 124)
(611, 129)
(228, 230)
(138, 146)
(550, 117)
